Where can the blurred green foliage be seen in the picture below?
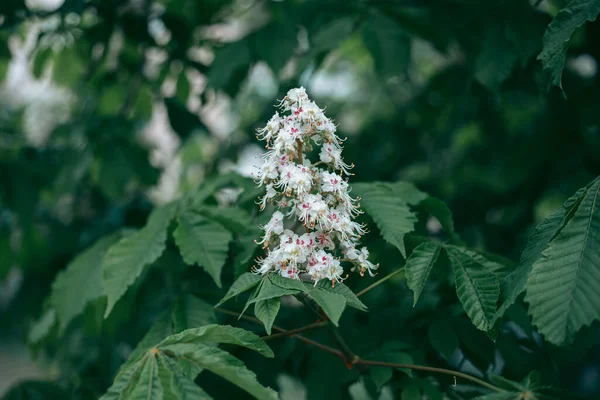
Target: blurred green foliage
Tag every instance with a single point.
(450, 95)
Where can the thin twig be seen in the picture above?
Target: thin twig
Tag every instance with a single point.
(352, 359)
(430, 369)
(379, 282)
(280, 329)
(293, 332)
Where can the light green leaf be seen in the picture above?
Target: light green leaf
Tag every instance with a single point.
(559, 32)
(266, 311)
(126, 259)
(202, 242)
(384, 204)
(477, 287)
(419, 265)
(235, 219)
(42, 327)
(333, 304)
(244, 283)
(562, 286)
(80, 282)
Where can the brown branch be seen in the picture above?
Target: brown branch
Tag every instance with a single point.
(293, 332)
(430, 369)
(352, 359)
(282, 330)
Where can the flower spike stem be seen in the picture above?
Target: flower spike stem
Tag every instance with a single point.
(379, 282)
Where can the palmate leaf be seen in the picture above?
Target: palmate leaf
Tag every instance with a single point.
(477, 287)
(203, 242)
(125, 260)
(559, 32)
(419, 265)
(80, 282)
(562, 288)
(159, 374)
(385, 204)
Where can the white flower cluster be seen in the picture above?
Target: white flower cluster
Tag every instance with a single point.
(317, 197)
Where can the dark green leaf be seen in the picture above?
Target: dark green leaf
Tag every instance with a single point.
(419, 265)
(203, 242)
(125, 260)
(559, 32)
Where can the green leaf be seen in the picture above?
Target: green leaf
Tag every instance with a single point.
(442, 338)
(220, 334)
(562, 286)
(42, 327)
(126, 259)
(286, 283)
(388, 44)
(477, 287)
(268, 291)
(384, 204)
(559, 32)
(80, 282)
(220, 363)
(148, 386)
(419, 265)
(244, 283)
(333, 304)
(515, 282)
(266, 311)
(125, 380)
(203, 242)
(235, 219)
(177, 384)
(340, 288)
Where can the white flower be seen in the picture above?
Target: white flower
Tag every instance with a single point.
(318, 198)
(275, 225)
